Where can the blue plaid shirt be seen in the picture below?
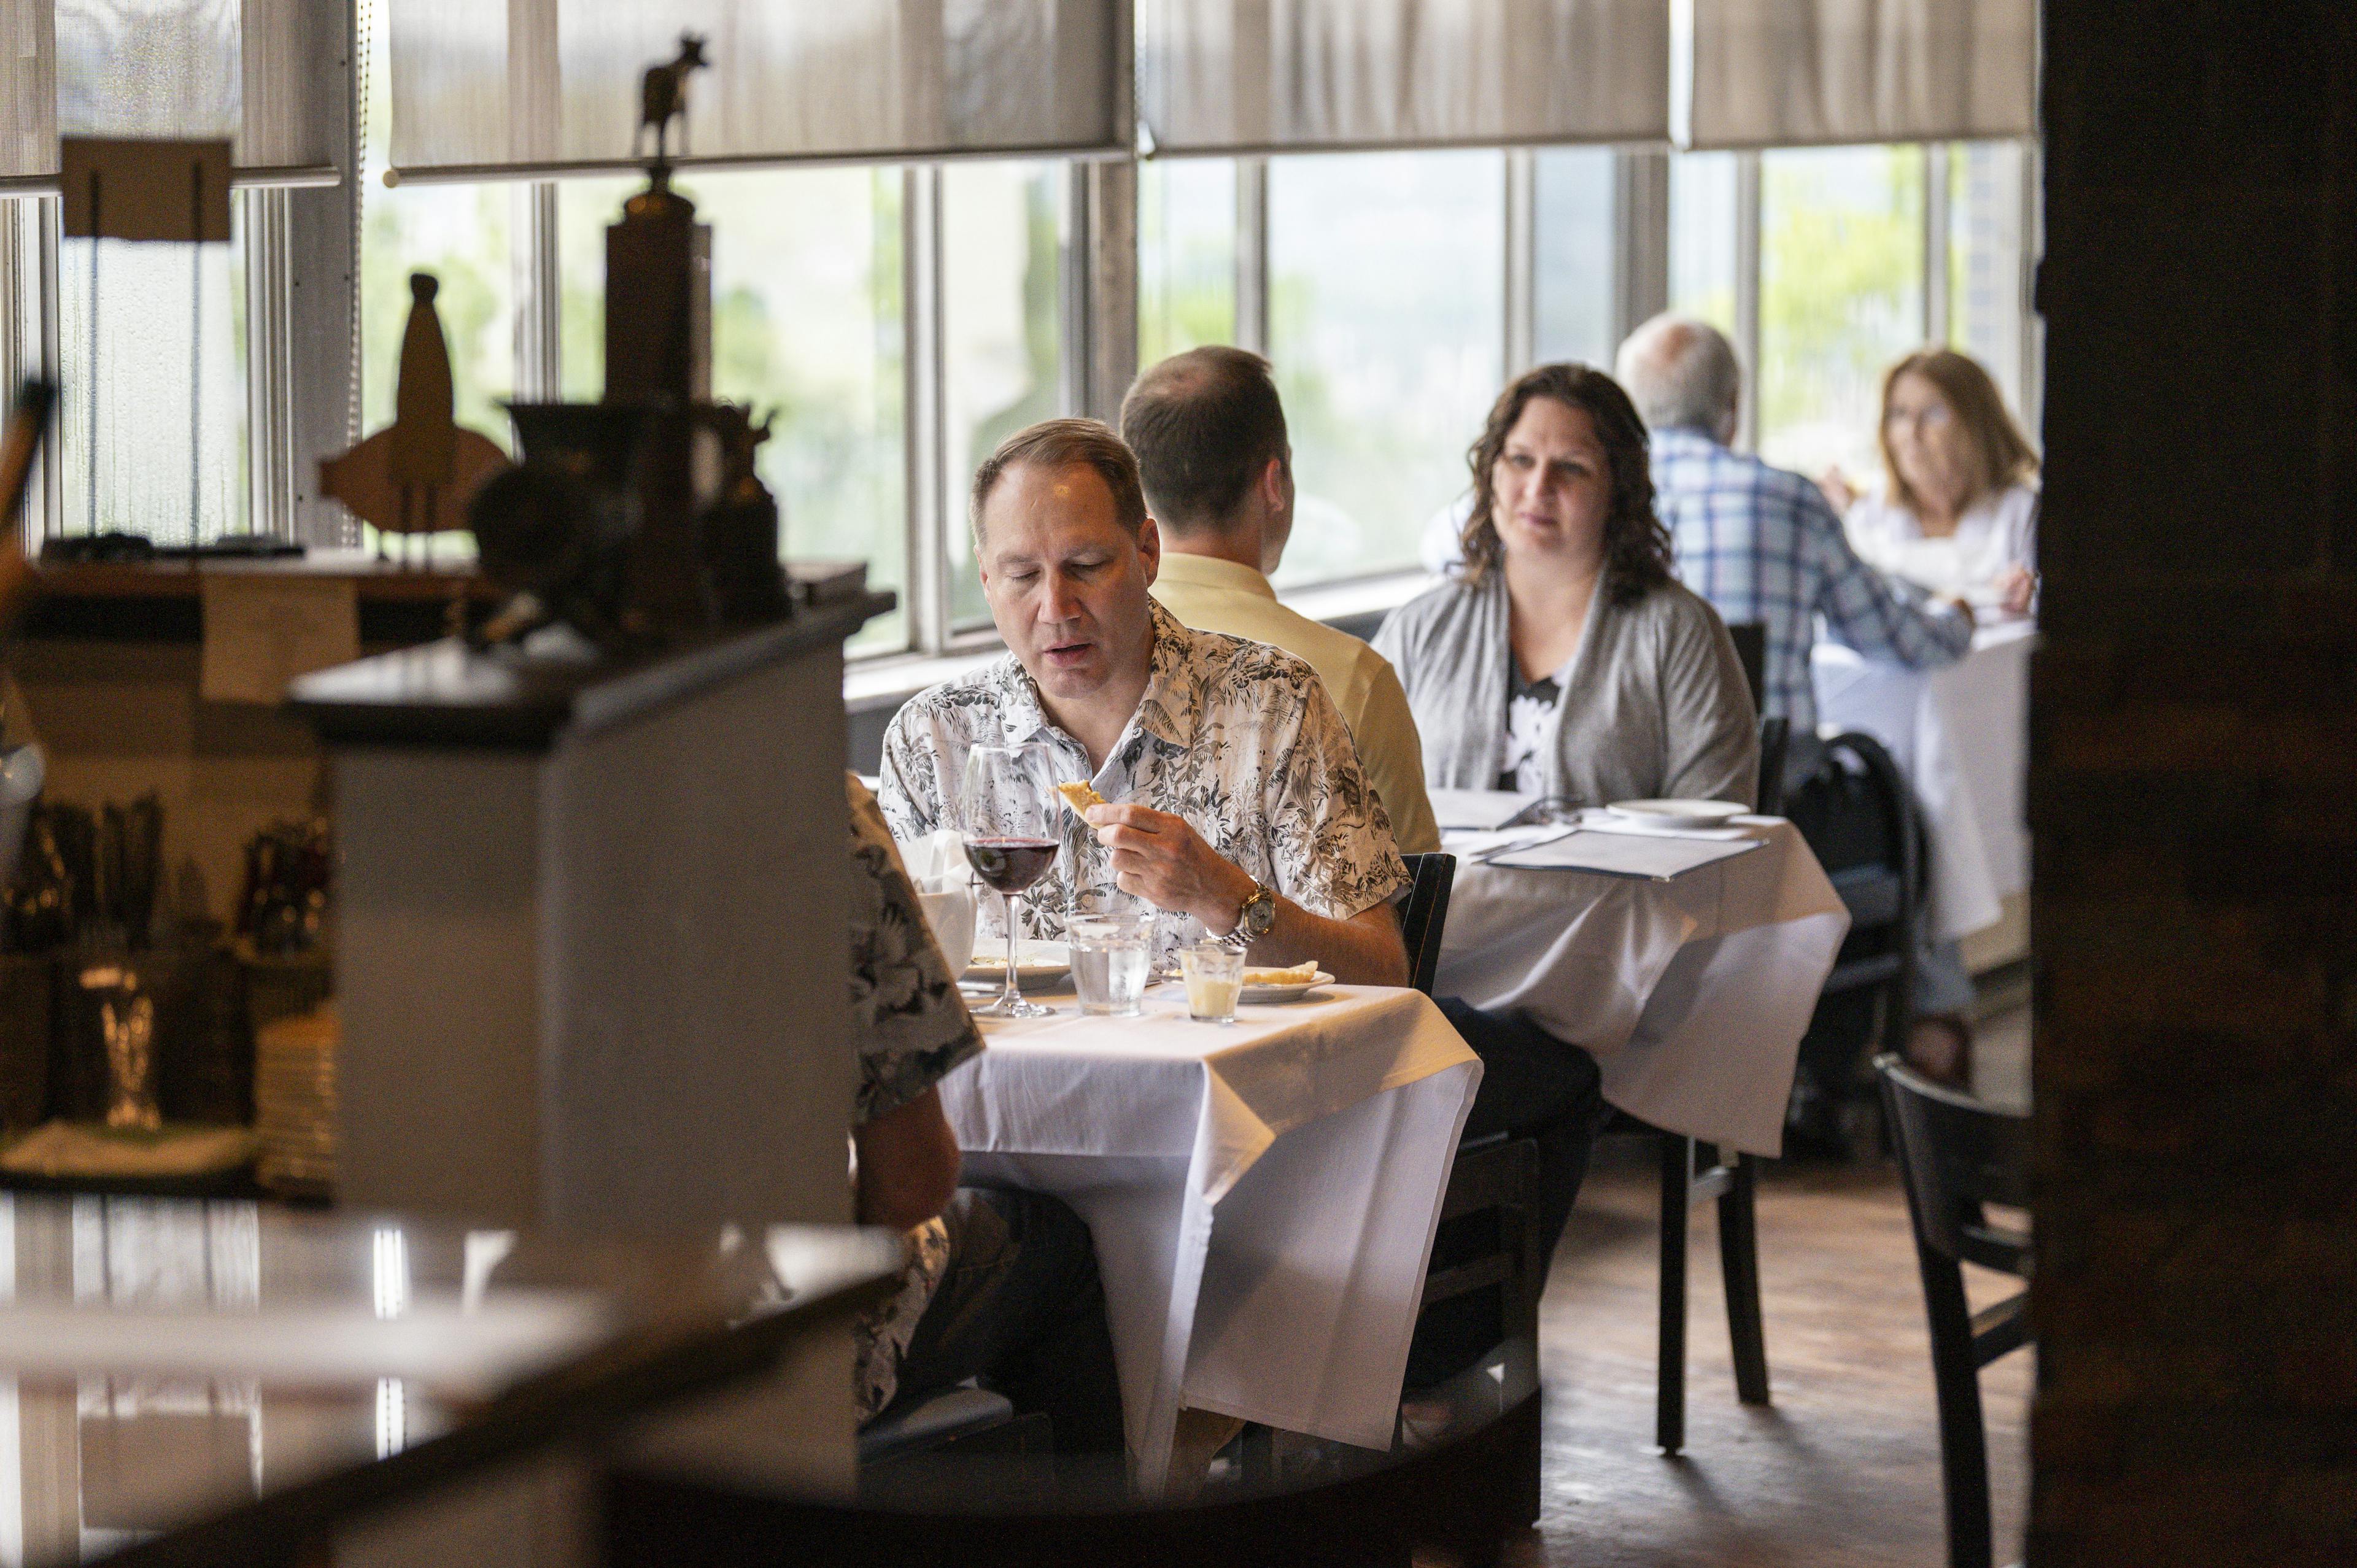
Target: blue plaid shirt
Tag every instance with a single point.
(1763, 545)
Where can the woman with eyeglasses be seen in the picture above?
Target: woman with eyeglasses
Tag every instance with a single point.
(1958, 513)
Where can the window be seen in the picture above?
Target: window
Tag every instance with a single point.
(1577, 313)
(1002, 227)
(1186, 256)
(461, 234)
(1386, 325)
(1705, 254)
(1841, 285)
(152, 427)
(1987, 288)
(806, 326)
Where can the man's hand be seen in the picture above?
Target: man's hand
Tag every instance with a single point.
(1162, 859)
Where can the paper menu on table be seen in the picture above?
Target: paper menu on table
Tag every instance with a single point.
(1477, 810)
(1651, 857)
(262, 630)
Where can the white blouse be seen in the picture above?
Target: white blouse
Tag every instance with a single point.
(1999, 531)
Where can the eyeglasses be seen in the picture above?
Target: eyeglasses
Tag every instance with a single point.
(1931, 417)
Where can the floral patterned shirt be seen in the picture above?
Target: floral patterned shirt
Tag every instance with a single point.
(910, 1029)
(1237, 737)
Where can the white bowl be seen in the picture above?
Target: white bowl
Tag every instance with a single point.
(1677, 813)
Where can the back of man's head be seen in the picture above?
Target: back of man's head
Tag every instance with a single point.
(1204, 425)
(1682, 374)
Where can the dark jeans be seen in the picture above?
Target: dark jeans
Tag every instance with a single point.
(1532, 1086)
(1022, 1310)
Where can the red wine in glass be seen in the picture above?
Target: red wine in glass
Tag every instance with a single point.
(1009, 808)
(1011, 865)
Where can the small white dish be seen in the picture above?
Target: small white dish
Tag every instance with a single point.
(1267, 995)
(1677, 813)
(1036, 961)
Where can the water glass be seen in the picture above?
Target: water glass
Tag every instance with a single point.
(1214, 973)
(1110, 961)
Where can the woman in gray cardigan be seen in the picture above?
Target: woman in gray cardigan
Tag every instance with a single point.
(1566, 659)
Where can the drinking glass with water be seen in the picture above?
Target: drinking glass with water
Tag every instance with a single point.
(1112, 938)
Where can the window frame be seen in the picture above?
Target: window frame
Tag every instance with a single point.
(302, 271)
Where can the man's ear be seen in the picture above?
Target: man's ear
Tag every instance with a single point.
(1149, 549)
(1276, 482)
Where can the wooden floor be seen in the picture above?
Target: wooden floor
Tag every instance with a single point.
(1842, 1470)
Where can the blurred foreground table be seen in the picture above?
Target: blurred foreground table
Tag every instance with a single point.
(1261, 1195)
(1692, 995)
(225, 1381)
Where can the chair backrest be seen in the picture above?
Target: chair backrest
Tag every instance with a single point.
(1956, 1154)
(1426, 915)
(1751, 649)
(1775, 737)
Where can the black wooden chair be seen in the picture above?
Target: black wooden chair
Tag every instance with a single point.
(1750, 638)
(1956, 1154)
(1377, 1515)
(1426, 915)
(1692, 1174)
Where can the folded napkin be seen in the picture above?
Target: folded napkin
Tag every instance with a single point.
(944, 880)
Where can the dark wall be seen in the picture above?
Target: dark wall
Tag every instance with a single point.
(2194, 787)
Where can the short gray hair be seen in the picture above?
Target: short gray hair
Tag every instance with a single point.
(1682, 374)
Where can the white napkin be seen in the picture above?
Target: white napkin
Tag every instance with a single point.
(944, 880)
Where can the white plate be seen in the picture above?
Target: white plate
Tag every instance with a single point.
(1677, 813)
(1263, 995)
(1036, 961)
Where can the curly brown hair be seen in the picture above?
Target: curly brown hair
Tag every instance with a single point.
(1636, 544)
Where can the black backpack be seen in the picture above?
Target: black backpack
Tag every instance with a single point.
(1858, 814)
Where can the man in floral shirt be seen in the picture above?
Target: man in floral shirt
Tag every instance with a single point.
(1234, 796)
(1001, 1286)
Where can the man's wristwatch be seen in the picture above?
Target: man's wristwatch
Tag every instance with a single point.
(1256, 917)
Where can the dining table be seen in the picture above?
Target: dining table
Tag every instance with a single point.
(1690, 989)
(1263, 1194)
(1960, 734)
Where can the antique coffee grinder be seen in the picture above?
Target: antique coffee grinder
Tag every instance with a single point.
(640, 520)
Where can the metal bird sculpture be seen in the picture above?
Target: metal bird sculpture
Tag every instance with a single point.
(416, 475)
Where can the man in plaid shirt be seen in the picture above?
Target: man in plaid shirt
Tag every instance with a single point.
(1760, 543)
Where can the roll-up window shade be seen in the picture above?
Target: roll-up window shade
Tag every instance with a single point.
(1785, 73)
(194, 69)
(484, 87)
(1226, 76)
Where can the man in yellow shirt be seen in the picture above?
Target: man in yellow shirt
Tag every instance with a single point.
(1210, 436)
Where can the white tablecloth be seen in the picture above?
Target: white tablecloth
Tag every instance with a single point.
(1263, 1196)
(1961, 735)
(1690, 994)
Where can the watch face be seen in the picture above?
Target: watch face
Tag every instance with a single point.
(1259, 912)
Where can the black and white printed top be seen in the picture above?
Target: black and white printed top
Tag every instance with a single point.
(910, 1028)
(1237, 737)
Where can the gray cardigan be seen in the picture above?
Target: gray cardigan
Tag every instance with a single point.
(1655, 703)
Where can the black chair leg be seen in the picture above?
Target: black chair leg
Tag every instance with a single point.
(1964, 1445)
(1739, 1260)
(1670, 1401)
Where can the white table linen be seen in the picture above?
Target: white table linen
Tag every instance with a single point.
(1960, 733)
(1692, 995)
(1263, 1196)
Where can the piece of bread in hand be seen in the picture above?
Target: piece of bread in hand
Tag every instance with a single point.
(1299, 974)
(1080, 797)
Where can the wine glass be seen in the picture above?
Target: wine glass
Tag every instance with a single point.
(1009, 808)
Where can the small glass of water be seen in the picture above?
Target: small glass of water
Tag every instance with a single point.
(1110, 960)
